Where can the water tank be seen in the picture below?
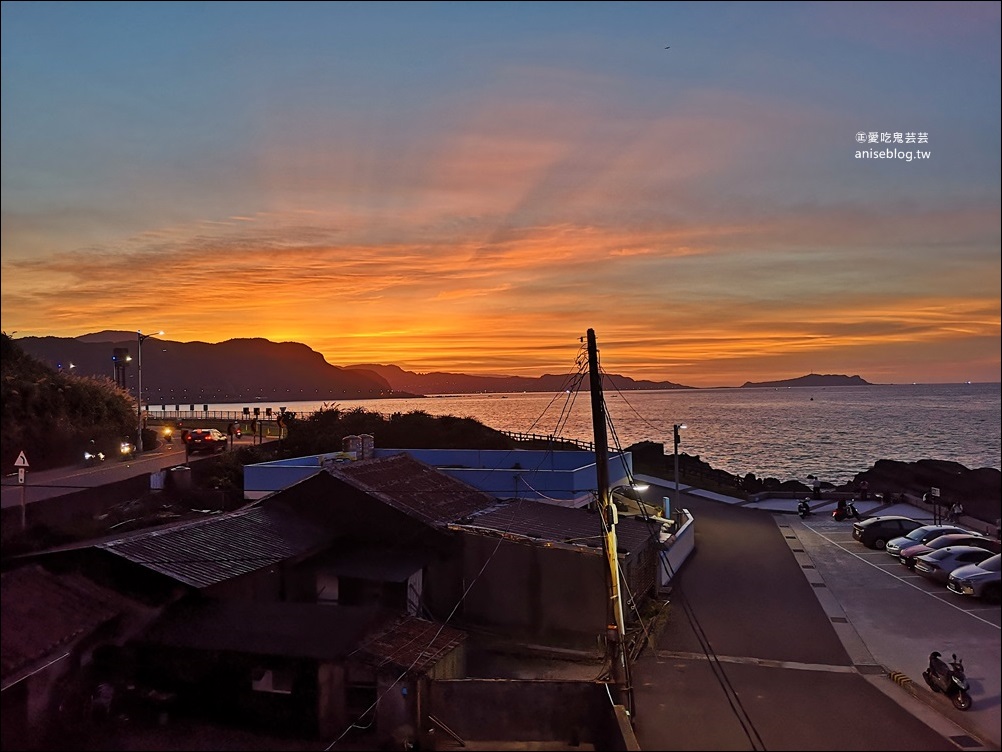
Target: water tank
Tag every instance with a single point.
(352, 444)
(368, 446)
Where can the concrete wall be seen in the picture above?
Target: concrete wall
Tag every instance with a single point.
(545, 594)
(677, 548)
(64, 511)
(507, 710)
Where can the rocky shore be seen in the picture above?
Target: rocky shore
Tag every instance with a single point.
(979, 490)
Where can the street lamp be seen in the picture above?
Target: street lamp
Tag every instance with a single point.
(637, 487)
(677, 427)
(139, 387)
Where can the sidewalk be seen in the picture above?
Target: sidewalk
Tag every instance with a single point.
(868, 508)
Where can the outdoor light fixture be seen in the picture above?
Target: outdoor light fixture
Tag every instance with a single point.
(139, 386)
(636, 486)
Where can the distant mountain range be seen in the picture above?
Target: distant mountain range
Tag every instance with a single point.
(248, 370)
(458, 383)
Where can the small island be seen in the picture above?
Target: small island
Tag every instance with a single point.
(813, 379)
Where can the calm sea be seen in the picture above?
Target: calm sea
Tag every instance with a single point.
(789, 433)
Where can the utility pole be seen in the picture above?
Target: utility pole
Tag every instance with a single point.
(616, 630)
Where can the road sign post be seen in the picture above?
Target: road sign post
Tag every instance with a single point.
(21, 463)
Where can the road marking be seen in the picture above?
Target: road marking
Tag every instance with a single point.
(907, 578)
(829, 667)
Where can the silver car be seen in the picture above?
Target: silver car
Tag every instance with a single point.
(920, 535)
(938, 565)
(978, 580)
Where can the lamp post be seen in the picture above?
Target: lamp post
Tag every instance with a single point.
(139, 387)
(636, 486)
(677, 427)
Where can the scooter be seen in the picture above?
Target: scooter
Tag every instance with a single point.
(128, 450)
(168, 435)
(92, 456)
(844, 511)
(948, 678)
(804, 508)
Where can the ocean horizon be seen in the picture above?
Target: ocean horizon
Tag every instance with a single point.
(787, 433)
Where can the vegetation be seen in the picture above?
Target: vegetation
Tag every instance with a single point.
(51, 415)
(325, 430)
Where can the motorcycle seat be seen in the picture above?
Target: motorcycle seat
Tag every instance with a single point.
(939, 666)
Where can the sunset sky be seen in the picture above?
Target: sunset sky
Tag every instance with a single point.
(470, 187)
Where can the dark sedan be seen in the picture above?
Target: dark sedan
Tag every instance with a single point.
(874, 532)
(206, 440)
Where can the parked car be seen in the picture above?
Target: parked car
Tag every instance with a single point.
(978, 580)
(922, 534)
(874, 532)
(938, 565)
(206, 440)
(908, 555)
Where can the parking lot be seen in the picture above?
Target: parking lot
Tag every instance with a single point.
(894, 617)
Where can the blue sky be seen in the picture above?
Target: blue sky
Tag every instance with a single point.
(471, 186)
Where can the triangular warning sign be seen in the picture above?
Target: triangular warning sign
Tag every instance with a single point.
(21, 460)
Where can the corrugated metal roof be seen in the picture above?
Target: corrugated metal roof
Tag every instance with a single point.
(43, 614)
(415, 488)
(205, 552)
(548, 522)
(411, 643)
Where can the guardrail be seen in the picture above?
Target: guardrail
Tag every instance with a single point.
(224, 415)
(550, 438)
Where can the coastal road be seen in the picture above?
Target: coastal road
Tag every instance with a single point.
(46, 484)
(770, 644)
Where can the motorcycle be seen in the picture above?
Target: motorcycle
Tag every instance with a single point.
(168, 435)
(92, 456)
(844, 511)
(948, 678)
(803, 508)
(128, 450)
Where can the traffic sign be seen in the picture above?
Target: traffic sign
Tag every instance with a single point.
(21, 460)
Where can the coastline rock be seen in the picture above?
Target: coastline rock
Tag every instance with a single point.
(979, 490)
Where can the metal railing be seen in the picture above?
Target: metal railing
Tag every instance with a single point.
(548, 438)
(212, 415)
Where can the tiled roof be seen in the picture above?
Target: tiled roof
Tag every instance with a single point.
(207, 551)
(410, 643)
(44, 614)
(552, 523)
(415, 488)
(303, 630)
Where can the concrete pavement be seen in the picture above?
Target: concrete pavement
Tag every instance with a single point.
(782, 635)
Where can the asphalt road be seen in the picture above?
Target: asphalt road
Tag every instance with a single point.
(45, 484)
(779, 638)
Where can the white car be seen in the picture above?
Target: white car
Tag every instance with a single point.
(978, 580)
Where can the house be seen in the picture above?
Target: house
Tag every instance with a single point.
(347, 596)
(298, 667)
(454, 553)
(51, 627)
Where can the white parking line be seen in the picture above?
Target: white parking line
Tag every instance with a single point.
(904, 578)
